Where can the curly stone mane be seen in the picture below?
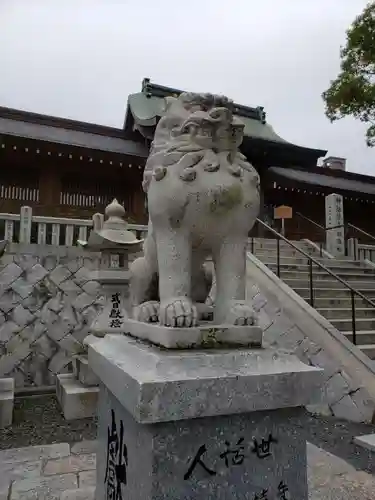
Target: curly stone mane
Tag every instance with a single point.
(198, 132)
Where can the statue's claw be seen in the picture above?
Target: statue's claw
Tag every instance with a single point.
(241, 314)
(148, 312)
(178, 312)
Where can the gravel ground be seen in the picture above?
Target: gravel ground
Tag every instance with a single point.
(38, 420)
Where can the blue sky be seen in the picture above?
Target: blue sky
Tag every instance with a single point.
(81, 58)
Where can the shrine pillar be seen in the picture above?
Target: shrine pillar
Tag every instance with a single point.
(335, 231)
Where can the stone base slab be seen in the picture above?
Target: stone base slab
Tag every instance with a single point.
(76, 400)
(83, 372)
(367, 441)
(6, 402)
(79, 494)
(156, 385)
(204, 336)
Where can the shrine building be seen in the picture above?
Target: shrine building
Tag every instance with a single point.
(68, 168)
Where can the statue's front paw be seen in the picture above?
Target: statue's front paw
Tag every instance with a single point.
(241, 314)
(148, 312)
(178, 312)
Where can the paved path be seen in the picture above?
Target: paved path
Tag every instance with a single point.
(64, 472)
(51, 472)
(331, 478)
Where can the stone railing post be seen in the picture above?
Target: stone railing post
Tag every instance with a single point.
(25, 224)
(353, 248)
(9, 230)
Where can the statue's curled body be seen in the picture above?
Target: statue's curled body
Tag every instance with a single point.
(203, 198)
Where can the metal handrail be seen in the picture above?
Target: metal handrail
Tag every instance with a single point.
(310, 220)
(361, 231)
(311, 260)
(348, 224)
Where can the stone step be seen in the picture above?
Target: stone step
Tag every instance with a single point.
(287, 252)
(345, 324)
(305, 268)
(321, 275)
(369, 350)
(329, 283)
(324, 293)
(284, 244)
(337, 293)
(271, 260)
(332, 313)
(340, 302)
(267, 243)
(283, 247)
(363, 337)
(271, 255)
(76, 400)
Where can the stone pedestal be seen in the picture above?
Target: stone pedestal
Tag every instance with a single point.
(6, 402)
(76, 399)
(77, 393)
(194, 424)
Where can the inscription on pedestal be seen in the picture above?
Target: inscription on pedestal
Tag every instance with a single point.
(116, 319)
(117, 461)
(255, 456)
(235, 454)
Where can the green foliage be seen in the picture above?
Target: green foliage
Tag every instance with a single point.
(352, 93)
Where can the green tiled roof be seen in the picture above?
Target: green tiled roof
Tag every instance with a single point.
(146, 110)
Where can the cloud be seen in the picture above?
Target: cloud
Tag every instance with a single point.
(81, 58)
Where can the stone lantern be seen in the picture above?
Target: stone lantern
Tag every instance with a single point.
(78, 392)
(116, 244)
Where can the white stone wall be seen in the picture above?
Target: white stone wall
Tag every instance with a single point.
(292, 326)
(47, 302)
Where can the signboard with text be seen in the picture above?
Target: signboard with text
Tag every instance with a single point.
(283, 212)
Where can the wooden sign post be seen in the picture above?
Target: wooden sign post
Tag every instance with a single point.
(283, 212)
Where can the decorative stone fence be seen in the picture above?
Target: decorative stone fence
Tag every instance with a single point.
(47, 299)
(28, 228)
(47, 303)
(360, 251)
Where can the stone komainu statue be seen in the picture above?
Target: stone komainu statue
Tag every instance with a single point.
(203, 198)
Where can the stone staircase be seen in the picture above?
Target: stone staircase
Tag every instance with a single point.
(331, 298)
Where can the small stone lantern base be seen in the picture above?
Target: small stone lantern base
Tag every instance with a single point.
(6, 402)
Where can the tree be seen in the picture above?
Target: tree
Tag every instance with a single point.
(352, 93)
